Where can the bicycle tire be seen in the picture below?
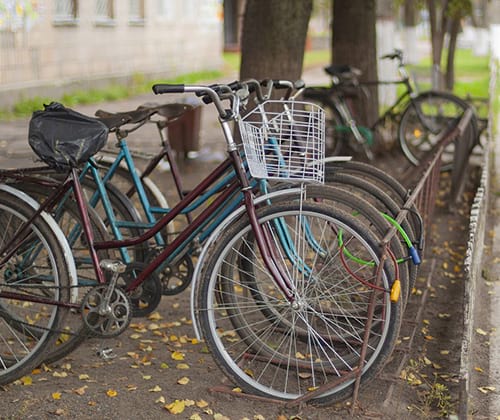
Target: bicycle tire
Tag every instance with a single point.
(359, 187)
(37, 266)
(219, 333)
(424, 118)
(68, 219)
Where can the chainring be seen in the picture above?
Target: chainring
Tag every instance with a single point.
(177, 277)
(106, 320)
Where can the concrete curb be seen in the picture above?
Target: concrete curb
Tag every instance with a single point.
(474, 255)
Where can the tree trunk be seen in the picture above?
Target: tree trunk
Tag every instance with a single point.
(273, 39)
(438, 21)
(357, 47)
(450, 63)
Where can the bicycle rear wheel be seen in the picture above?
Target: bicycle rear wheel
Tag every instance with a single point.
(34, 279)
(284, 350)
(426, 117)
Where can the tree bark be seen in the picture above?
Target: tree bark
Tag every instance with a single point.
(354, 43)
(273, 39)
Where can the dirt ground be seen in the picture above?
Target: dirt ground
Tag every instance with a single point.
(158, 368)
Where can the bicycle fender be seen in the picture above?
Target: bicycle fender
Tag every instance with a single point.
(213, 237)
(68, 255)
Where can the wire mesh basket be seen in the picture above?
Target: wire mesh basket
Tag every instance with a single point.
(285, 140)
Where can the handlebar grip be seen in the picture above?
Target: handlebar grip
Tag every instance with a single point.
(161, 88)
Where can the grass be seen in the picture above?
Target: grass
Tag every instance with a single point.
(472, 74)
(114, 92)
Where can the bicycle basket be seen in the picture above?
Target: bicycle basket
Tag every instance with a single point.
(285, 140)
(64, 138)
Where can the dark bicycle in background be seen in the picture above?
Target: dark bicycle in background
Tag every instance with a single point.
(415, 120)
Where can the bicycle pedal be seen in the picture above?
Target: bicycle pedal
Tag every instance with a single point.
(115, 266)
(106, 353)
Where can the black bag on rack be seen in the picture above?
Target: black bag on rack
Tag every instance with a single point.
(64, 138)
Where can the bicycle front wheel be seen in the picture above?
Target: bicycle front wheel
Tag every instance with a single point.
(280, 349)
(34, 279)
(426, 117)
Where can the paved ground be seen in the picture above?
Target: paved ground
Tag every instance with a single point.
(14, 151)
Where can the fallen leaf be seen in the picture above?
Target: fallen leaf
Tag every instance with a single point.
(26, 380)
(83, 376)
(481, 331)
(202, 403)
(81, 390)
(486, 389)
(478, 369)
(156, 388)
(183, 381)
(111, 393)
(182, 366)
(56, 395)
(195, 416)
(161, 400)
(176, 407)
(177, 355)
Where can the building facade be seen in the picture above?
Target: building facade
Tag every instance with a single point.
(52, 46)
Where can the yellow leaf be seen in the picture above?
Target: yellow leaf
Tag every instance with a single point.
(60, 374)
(177, 355)
(183, 381)
(156, 388)
(481, 331)
(182, 366)
(429, 337)
(444, 352)
(299, 355)
(202, 403)
(135, 336)
(26, 380)
(83, 376)
(56, 395)
(195, 341)
(146, 377)
(164, 365)
(189, 403)
(219, 416)
(160, 400)
(195, 416)
(176, 407)
(237, 389)
(155, 316)
(478, 369)
(111, 393)
(36, 371)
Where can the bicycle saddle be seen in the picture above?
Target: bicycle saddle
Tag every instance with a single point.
(343, 71)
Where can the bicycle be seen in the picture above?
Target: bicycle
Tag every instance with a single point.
(106, 309)
(415, 118)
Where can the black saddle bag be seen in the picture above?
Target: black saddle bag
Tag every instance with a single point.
(64, 138)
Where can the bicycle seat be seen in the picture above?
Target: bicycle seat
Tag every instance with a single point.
(343, 71)
(117, 119)
(169, 111)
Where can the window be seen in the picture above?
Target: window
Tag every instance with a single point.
(136, 11)
(66, 11)
(104, 10)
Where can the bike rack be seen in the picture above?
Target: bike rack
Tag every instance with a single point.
(422, 196)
